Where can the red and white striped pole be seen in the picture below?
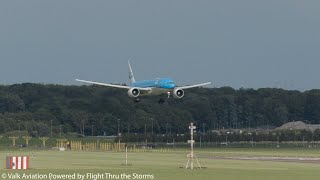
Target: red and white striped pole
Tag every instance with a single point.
(18, 162)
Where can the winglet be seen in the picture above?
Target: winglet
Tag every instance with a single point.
(131, 77)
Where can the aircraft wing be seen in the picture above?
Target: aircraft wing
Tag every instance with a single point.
(193, 86)
(113, 85)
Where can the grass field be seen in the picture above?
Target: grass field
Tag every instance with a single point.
(159, 165)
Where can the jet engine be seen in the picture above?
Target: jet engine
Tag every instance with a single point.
(178, 93)
(133, 92)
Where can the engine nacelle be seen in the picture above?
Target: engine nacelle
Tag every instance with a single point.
(178, 93)
(133, 92)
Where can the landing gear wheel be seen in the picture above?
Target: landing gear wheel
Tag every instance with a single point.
(137, 100)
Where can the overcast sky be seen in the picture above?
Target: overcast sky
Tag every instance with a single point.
(237, 43)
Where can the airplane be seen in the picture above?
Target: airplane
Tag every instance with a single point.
(158, 86)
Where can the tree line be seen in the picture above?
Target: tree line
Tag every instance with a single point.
(42, 109)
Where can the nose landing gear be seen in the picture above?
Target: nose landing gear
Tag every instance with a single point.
(169, 93)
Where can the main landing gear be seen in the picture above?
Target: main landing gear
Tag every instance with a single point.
(137, 100)
(161, 101)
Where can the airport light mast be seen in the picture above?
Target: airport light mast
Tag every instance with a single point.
(192, 156)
